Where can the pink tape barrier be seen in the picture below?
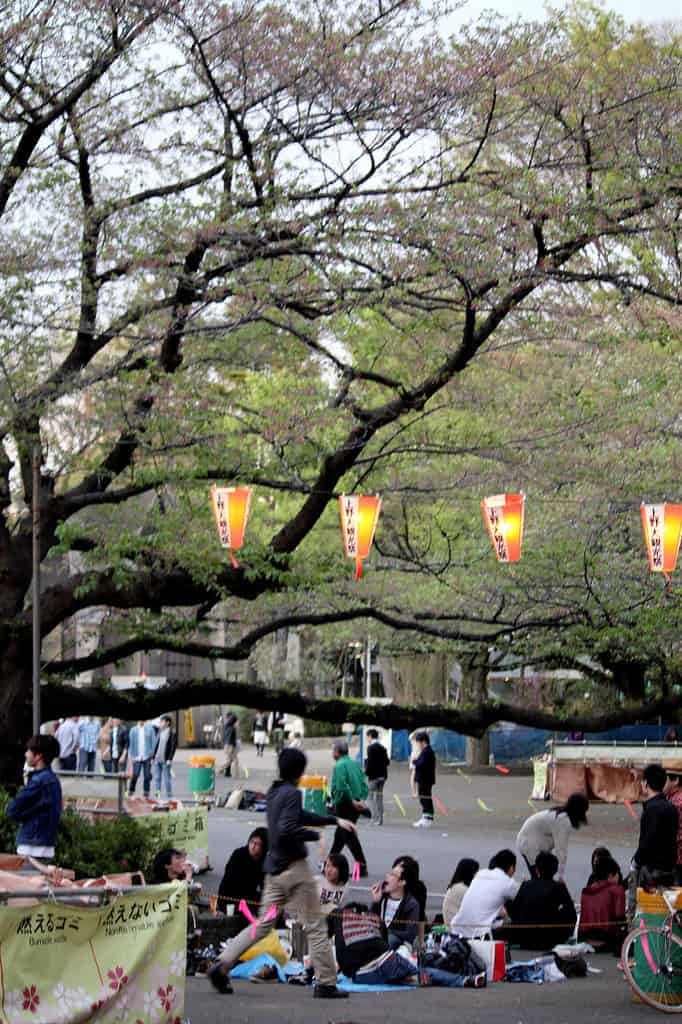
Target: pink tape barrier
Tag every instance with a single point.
(244, 909)
(355, 876)
(647, 951)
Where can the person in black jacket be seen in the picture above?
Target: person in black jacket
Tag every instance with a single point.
(288, 879)
(396, 906)
(425, 778)
(541, 901)
(656, 854)
(244, 875)
(376, 770)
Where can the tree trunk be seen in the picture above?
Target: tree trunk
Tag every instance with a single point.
(478, 751)
(474, 691)
(15, 713)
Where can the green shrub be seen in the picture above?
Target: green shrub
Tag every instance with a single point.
(104, 846)
(91, 848)
(8, 828)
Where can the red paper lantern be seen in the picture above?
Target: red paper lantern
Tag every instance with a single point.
(231, 512)
(662, 530)
(359, 515)
(503, 515)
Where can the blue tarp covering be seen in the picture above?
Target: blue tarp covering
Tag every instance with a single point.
(515, 743)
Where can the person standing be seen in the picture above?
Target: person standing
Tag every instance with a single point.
(142, 744)
(425, 778)
(655, 859)
(120, 741)
(67, 738)
(164, 752)
(230, 741)
(260, 733)
(348, 793)
(549, 831)
(278, 723)
(289, 881)
(673, 792)
(88, 734)
(104, 744)
(376, 770)
(38, 806)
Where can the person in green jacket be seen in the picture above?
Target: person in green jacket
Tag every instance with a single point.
(348, 792)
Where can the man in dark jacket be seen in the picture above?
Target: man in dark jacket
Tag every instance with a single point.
(38, 806)
(396, 906)
(120, 742)
(164, 752)
(376, 770)
(542, 901)
(425, 777)
(288, 879)
(230, 740)
(656, 855)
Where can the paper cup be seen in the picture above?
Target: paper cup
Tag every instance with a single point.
(213, 903)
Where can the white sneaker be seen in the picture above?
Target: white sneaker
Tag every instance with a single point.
(422, 823)
(428, 822)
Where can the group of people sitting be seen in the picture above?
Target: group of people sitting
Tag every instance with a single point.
(373, 942)
(540, 912)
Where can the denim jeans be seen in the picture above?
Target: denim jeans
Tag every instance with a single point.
(444, 979)
(162, 770)
(146, 768)
(393, 970)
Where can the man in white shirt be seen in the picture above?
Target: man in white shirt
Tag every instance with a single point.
(484, 901)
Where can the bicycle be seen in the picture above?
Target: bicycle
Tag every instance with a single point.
(652, 960)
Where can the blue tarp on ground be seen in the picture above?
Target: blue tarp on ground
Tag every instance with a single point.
(515, 743)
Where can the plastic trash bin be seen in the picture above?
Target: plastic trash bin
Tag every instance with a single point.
(314, 789)
(201, 775)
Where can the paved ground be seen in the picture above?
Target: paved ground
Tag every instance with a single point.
(467, 830)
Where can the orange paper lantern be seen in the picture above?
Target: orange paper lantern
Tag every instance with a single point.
(359, 515)
(231, 512)
(662, 530)
(503, 515)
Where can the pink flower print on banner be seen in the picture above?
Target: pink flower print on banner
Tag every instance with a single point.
(118, 979)
(31, 999)
(166, 997)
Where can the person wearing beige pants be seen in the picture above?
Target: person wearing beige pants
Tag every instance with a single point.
(288, 880)
(296, 889)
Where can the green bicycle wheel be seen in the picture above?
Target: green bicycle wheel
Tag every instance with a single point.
(652, 963)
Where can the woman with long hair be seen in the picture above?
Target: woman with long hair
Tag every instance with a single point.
(459, 883)
(549, 831)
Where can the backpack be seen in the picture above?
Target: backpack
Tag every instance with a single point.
(456, 956)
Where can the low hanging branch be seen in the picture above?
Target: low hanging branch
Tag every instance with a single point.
(140, 703)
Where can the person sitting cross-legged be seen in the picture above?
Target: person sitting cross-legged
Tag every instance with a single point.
(484, 904)
(542, 912)
(602, 907)
(365, 957)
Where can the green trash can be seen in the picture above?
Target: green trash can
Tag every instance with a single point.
(314, 789)
(201, 775)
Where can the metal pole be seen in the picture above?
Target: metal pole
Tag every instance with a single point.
(36, 590)
(368, 670)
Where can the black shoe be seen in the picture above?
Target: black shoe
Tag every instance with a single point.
(220, 980)
(363, 871)
(328, 992)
